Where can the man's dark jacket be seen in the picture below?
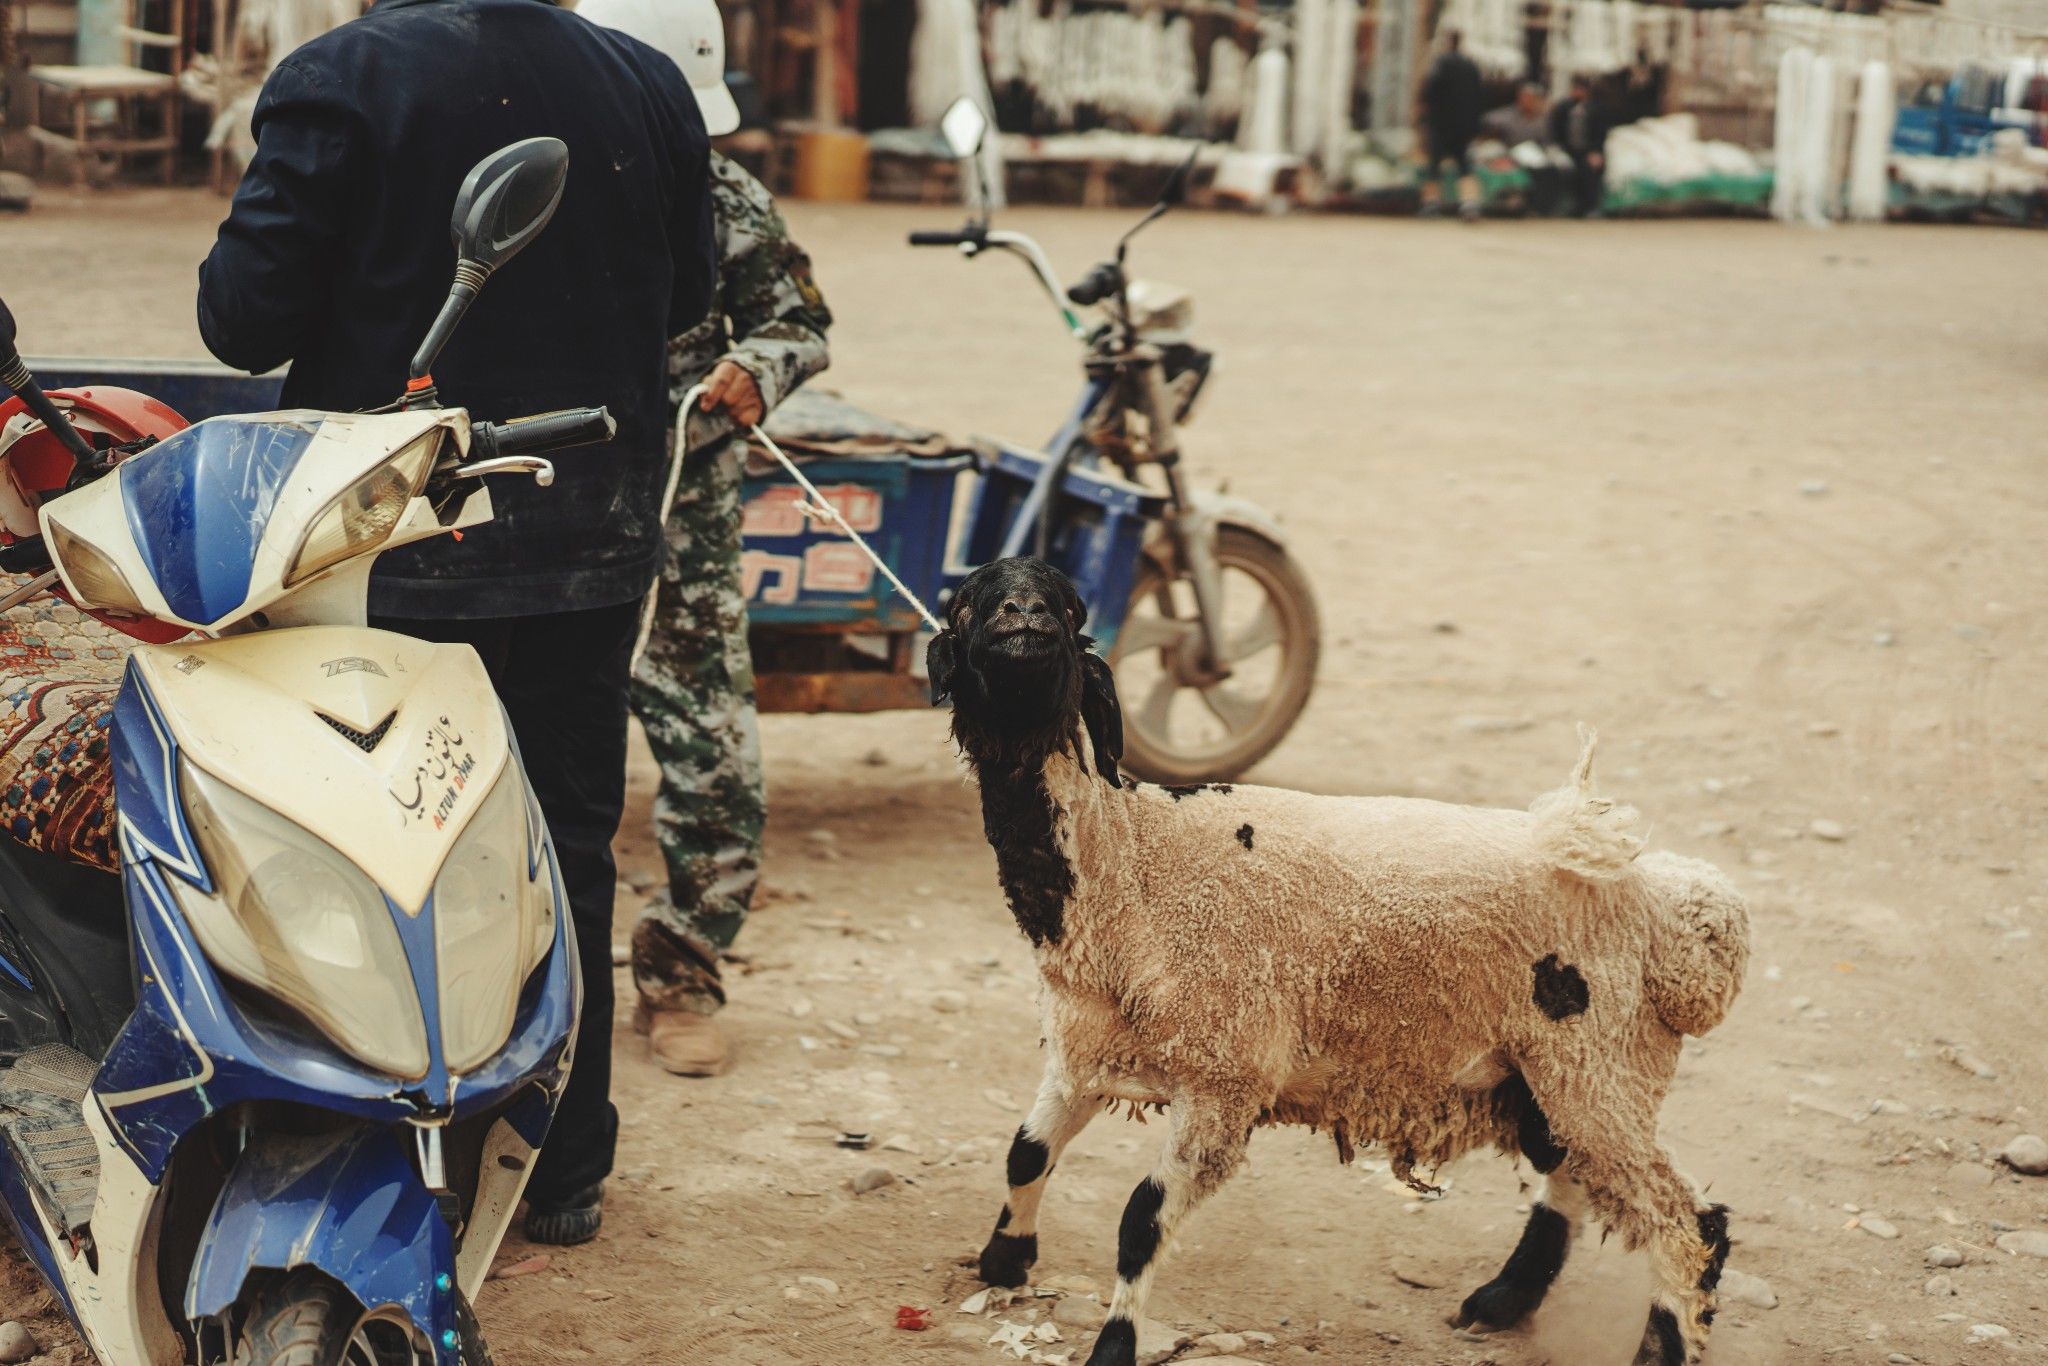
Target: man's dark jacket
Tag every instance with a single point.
(336, 256)
(1451, 98)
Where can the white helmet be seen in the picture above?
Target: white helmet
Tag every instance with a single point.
(688, 32)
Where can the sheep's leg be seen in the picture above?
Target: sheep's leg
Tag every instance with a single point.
(1207, 1143)
(1640, 1193)
(1513, 1295)
(1056, 1117)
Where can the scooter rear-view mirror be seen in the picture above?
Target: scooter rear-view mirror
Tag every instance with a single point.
(508, 198)
(504, 203)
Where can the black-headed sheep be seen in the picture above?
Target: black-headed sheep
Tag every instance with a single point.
(1409, 974)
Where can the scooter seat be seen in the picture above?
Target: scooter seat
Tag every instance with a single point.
(59, 673)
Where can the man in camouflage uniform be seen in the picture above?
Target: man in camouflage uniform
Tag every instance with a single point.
(694, 688)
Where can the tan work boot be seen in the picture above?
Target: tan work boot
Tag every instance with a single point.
(688, 1043)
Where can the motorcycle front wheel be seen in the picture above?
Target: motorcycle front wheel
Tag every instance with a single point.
(305, 1319)
(1185, 722)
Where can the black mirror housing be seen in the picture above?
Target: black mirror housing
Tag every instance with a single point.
(6, 331)
(507, 200)
(1175, 192)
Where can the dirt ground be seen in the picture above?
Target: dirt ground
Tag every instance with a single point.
(1765, 505)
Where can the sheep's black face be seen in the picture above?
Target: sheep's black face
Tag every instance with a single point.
(1018, 670)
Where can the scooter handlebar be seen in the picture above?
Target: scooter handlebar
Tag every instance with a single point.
(541, 435)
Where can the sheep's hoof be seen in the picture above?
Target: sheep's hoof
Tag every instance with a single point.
(1118, 1345)
(1497, 1305)
(1008, 1258)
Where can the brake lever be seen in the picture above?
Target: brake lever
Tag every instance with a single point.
(542, 469)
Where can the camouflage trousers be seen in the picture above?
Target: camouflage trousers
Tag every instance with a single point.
(694, 694)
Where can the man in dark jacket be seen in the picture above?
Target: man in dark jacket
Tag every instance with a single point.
(336, 256)
(1451, 97)
(1579, 125)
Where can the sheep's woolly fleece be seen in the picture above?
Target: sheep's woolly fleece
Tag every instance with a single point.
(1377, 965)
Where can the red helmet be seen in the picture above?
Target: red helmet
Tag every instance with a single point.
(35, 466)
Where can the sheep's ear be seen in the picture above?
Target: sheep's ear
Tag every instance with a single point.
(1102, 714)
(939, 658)
(1077, 610)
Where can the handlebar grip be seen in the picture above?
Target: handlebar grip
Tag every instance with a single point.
(1097, 285)
(542, 434)
(931, 237)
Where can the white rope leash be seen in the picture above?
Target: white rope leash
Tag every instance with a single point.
(818, 508)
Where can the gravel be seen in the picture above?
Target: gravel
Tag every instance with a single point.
(2028, 1244)
(1943, 1256)
(873, 1179)
(1743, 1288)
(2027, 1154)
(16, 1343)
(1158, 1341)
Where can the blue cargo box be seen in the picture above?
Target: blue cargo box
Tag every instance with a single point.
(797, 570)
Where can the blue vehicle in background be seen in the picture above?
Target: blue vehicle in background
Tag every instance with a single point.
(1955, 117)
(1209, 621)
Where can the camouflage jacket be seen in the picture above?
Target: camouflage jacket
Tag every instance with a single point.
(767, 315)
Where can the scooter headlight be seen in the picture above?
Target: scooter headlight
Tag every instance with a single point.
(295, 919)
(366, 513)
(95, 580)
(494, 918)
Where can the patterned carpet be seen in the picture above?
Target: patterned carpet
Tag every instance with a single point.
(59, 671)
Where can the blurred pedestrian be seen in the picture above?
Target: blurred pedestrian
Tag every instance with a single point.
(693, 689)
(1524, 128)
(1451, 99)
(1579, 125)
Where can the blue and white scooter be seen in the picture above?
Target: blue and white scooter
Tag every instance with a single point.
(270, 1096)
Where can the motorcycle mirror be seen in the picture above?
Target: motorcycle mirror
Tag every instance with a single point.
(15, 376)
(964, 127)
(1171, 195)
(505, 201)
(1175, 192)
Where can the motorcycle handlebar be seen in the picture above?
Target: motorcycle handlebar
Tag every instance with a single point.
(541, 435)
(1097, 285)
(958, 237)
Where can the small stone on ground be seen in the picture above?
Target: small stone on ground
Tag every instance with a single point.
(1744, 1288)
(2028, 1244)
(2027, 1154)
(16, 1343)
(1158, 1341)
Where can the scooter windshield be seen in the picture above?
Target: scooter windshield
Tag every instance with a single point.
(198, 503)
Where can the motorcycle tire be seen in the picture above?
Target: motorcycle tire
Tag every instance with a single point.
(1151, 750)
(305, 1319)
